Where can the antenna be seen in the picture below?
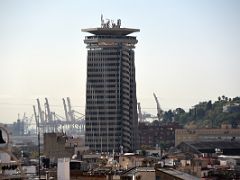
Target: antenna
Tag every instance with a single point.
(102, 21)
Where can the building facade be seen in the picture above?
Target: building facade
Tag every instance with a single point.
(111, 104)
(157, 134)
(55, 146)
(226, 132)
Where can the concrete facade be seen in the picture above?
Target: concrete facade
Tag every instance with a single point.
(111, 104)
(55, 146)
(207, 134)
(130, 161)
(157, 134)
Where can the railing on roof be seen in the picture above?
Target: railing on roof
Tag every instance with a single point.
(109, 37)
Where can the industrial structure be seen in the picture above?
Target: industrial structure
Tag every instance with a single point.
(49, 121)
(146, 117)
(159, 110)
(111, 104)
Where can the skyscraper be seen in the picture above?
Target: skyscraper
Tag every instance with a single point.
(111, 104)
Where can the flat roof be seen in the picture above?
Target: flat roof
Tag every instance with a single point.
(110, 31)
(215, 144)
(178, 174)
(134, 170)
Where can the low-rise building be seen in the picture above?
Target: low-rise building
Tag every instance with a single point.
(130, 160)
(157, 134)
(212, 147)
(226, 132)
(58, 145)
(207, 159)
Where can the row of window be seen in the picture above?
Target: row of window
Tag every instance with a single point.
(102, 69)
(94, 97)
(89, 129)
(104, 146)
(101, 91)
(102, 75)
(89, 107)
(102, 86)
(95, 125)
(102, 80)
(116, 117)
(103, 53)
(101, 113)
(102, 64)
(101, 102)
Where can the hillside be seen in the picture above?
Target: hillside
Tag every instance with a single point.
(208, 114)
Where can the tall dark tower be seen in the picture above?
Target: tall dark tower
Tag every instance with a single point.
(111, 103)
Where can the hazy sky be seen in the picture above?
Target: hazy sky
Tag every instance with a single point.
(188, 51)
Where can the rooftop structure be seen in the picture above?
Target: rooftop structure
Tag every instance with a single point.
(58, 145)
(173, 174)
(139, 173)
(108, 27)
(111, 31)
(223, 147)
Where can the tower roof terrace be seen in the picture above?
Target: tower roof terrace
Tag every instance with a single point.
(111, 31)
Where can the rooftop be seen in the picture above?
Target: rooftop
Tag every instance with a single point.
(225, 147)
(134, 170)
(111, 31)
(215, 144)
(179, 174)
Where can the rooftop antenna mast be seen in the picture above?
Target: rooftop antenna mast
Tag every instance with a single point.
(102, 21)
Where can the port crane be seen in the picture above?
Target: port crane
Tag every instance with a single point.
(159, 110)
(140, 116)
(49, 121)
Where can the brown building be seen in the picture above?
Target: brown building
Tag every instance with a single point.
(55, 146)
(211, 147)
(207, 134)
(130, 160)
(157, 134)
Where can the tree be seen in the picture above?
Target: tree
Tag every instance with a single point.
(168, 116)
(179, 111)
(209, 105)
(223, 97)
